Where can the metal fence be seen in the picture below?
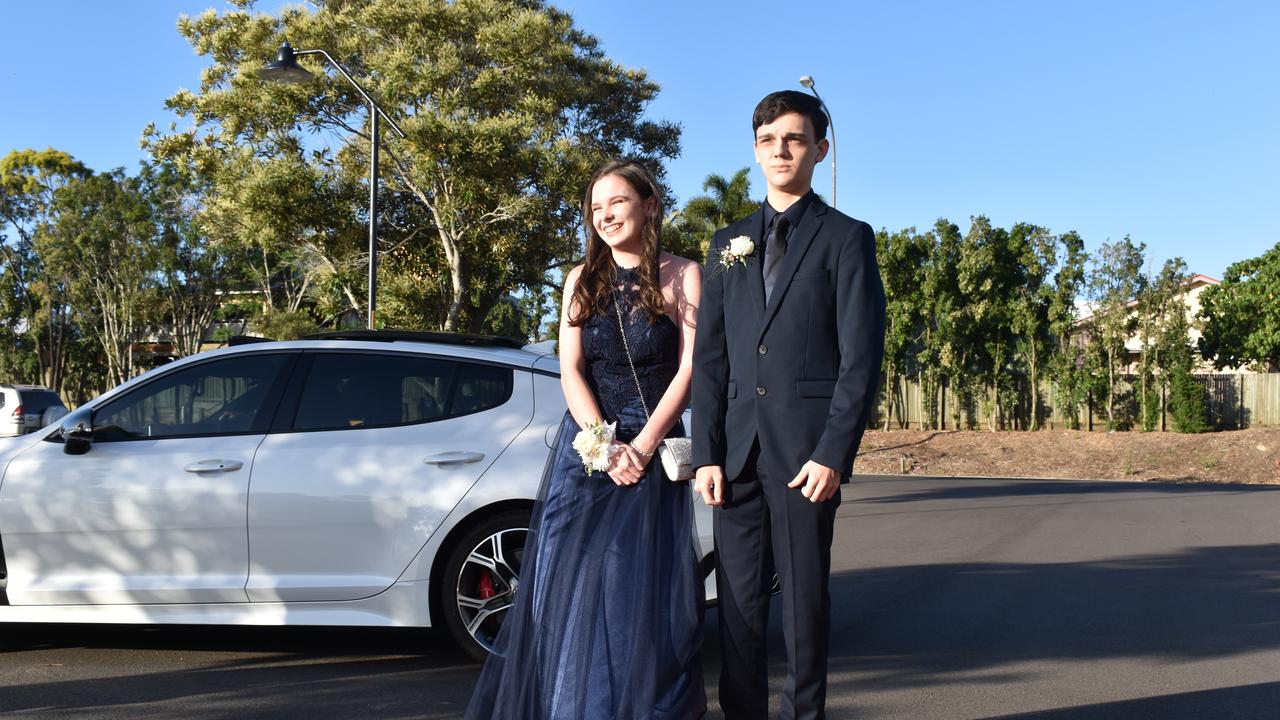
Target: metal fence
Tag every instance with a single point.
(1232, 401)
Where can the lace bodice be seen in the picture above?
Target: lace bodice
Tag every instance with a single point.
(655, 348)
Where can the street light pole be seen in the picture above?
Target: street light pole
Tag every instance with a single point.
(807, 81)
(286, 69)
(373, 216)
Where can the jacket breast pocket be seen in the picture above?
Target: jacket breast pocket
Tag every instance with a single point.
(731, 390)
(815, 388)
(811, 276)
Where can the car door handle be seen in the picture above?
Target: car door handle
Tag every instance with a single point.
(454, 457)
(212, 466)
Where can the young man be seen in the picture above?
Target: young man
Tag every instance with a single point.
(786, 366)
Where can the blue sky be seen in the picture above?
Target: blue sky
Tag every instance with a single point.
(1160, 120)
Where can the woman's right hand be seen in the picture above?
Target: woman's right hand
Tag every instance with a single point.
(626, 466)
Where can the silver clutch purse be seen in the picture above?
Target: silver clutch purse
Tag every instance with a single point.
(676, 456)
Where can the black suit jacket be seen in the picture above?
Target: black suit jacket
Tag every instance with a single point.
(802, 372)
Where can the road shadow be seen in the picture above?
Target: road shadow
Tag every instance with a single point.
(1247, 702)
(235, 672)
(987, 488)
(929, 625)
(424, 644)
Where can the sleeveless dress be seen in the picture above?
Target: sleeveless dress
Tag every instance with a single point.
(607, 623)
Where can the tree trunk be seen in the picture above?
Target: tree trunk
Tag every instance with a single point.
(1035, 389)
(1142, 407)
(889, 383)
(996, 362)
(1111, 390)
(455, 303)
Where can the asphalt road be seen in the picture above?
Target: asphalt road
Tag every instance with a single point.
(953, 598)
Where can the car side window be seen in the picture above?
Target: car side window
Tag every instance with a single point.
(220, 397)
(480, 387)
(354, 390)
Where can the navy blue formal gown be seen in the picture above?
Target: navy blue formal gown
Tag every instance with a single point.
(607, 622)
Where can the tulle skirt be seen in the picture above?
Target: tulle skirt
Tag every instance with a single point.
(607, 622)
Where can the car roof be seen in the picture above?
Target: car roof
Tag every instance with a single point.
(440, 338)
(504, 352)
(507, 355)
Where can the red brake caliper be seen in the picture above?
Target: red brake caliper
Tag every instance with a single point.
(485, 587)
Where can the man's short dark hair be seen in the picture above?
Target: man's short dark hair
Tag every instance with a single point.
(775, 105)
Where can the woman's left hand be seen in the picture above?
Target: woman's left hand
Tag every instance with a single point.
(625, 467)
(638, 456)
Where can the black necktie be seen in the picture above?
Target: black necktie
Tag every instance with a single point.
(775, 246)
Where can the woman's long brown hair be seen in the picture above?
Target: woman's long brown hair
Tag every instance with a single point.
(595, 285)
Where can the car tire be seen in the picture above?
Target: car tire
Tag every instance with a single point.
(481, 579)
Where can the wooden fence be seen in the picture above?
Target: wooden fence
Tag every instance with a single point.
(1231, 402)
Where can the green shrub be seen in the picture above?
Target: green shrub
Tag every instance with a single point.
(1186, 403)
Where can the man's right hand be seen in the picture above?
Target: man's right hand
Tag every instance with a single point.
(709, 483)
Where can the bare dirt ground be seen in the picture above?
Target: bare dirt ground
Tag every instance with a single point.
(1240, 456)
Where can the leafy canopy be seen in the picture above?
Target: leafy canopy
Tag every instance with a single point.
(1242, 315)
(507, 107)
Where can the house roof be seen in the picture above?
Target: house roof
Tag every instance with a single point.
(1192, 282)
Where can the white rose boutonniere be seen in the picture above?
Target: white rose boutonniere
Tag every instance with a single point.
(594, 444)
(737, 252)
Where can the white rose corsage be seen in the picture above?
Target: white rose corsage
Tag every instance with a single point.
(594, 444)
(737, 252)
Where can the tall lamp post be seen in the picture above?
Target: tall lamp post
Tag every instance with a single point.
(807, 81)
(286, 69)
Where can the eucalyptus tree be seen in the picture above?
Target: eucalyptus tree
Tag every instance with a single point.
(989, 276)
(902, 257)
(1035, 250)
(1115, 280)
(99, 248)
(507, 107)
(1178, 356)
(193, 276)
(36, 319)
(942, 351)
(1066, 363)
(1162, 335)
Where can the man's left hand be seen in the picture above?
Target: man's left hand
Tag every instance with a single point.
(819, 482)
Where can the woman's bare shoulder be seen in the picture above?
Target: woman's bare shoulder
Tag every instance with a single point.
(677, 266)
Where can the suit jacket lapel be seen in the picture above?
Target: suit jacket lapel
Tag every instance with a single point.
(753, 227)
(798, 244)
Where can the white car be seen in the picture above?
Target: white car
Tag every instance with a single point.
(367, 478)
(27, 408)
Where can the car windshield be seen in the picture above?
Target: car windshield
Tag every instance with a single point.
(36, 401)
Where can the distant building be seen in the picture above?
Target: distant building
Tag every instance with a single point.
(1194, 285)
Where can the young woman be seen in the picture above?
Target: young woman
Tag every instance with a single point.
(607, 623)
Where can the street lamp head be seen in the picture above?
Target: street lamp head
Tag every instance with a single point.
(285, 68)
(807, 81)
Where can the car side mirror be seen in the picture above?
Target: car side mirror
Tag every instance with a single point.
(77, 432)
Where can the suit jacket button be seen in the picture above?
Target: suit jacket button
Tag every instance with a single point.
(763, 349)
(760, 390)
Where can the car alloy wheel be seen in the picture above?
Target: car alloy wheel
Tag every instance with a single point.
(482, 580)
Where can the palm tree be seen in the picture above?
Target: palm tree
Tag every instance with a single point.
(726, 201)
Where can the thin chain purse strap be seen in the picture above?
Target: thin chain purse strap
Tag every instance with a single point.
(626, 346)
(674, 454)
